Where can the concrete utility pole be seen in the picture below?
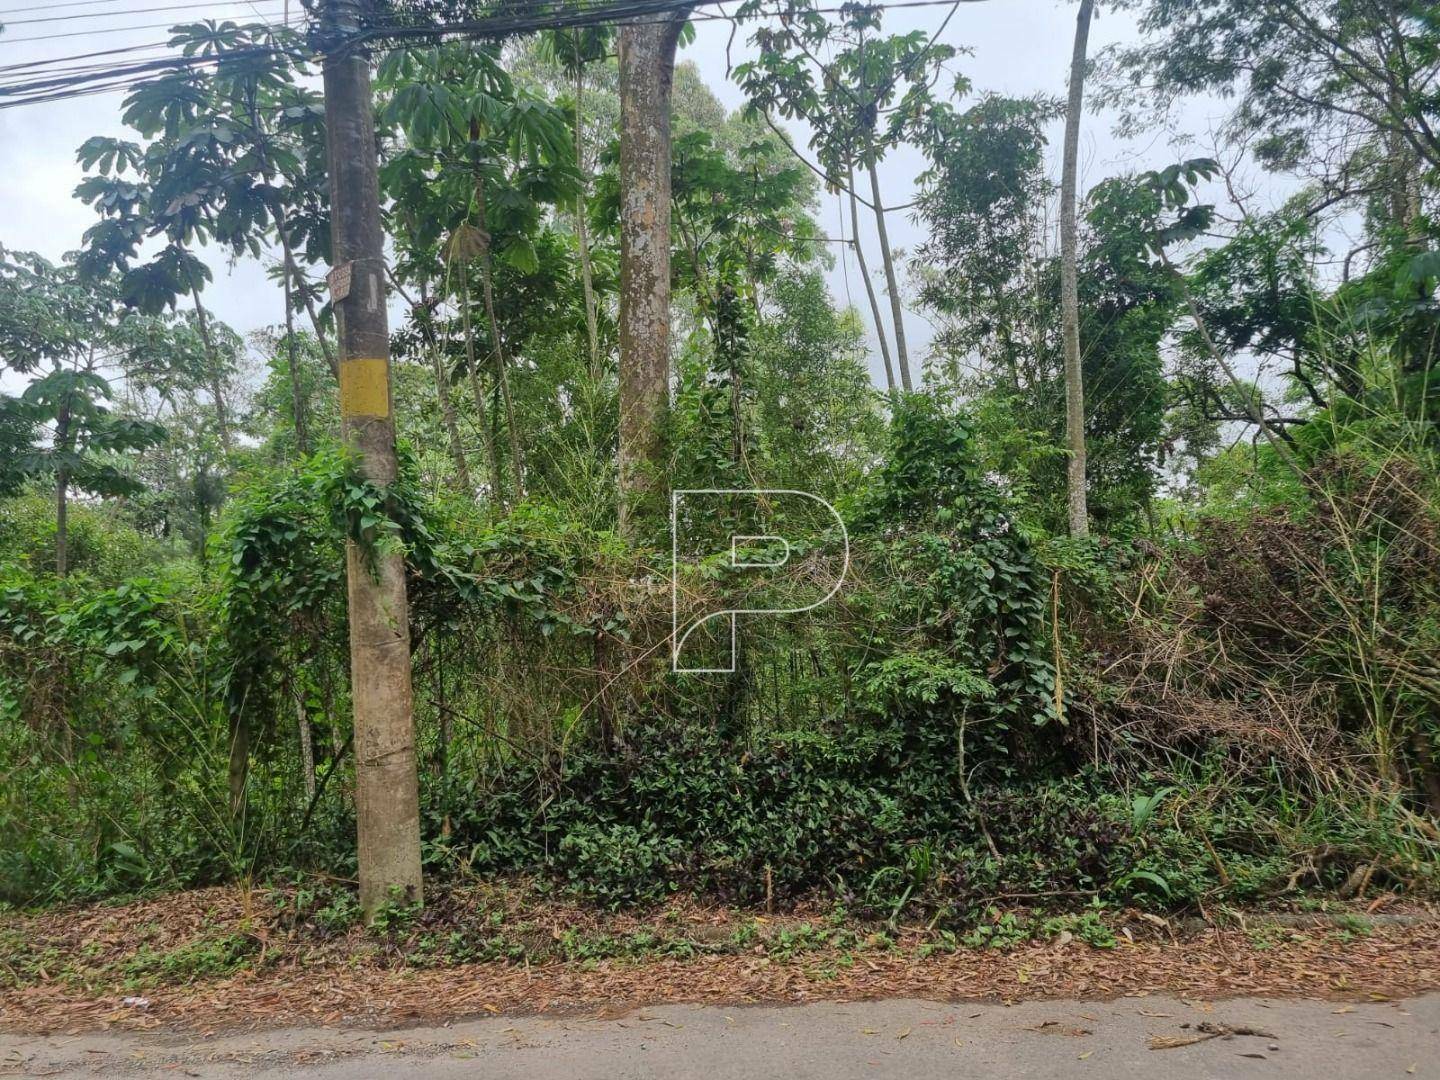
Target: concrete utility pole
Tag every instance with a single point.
(387, 802)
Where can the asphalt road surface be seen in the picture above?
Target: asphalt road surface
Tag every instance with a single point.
(913, 1040)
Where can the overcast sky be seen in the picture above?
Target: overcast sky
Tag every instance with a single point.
(1018, 47)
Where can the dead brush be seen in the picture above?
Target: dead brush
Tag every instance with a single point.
(1298, 640)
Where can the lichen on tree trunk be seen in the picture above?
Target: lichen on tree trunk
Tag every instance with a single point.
(1069, 288)
(647, 65)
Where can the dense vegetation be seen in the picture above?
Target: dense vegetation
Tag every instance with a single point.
(1227, 692)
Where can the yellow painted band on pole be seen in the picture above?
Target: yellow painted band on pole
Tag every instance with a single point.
(364, 387)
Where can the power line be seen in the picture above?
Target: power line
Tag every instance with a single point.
(40, 86)
(78, 79)
(21, 78)
(50, 61)
(561, 18)
(57, 7)
(496, 26)
(134, 11)
(97, 78)
(588, 14)
(56, 87)
(569, 17)
(6, 40)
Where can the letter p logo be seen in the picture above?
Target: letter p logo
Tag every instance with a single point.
(758, 551)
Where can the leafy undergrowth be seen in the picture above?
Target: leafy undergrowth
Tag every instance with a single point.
(268, 944)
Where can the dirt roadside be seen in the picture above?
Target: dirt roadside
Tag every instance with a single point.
(163, 964)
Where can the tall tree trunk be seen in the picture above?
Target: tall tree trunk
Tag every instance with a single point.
(297, 396)
(604, 657)
(325, 350)
(604, 705)
(1402, 177)
(582, 238)
(442, 754)
(307, 742)
(647, 68)
(237, 772)
(492, 459)
(497, 351)
(880, 335)
(217, 393)
(65, 445)
(447, 416)
(1429, 774)
(452, 426)
(327, 708)
(737, 405)
(293, 267)
(290, 274)
(1069, 285)
(897, 310)
(200, 491)
(387, 801)
(422, 314)
(62, 523)
(1249, 394)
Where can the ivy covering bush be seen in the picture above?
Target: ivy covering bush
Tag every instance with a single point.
(947, 767)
